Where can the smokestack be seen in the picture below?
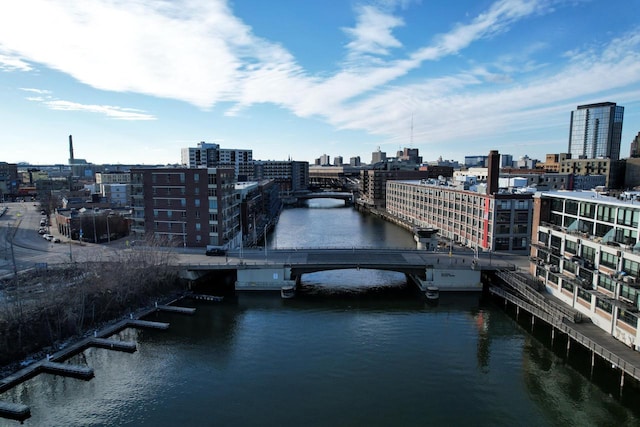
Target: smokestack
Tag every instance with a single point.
(70, 150)
(493, 172)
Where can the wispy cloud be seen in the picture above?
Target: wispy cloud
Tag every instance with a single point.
(372, 34)
(10, 63)
(108, 110)
(199, 52)
(46, 98)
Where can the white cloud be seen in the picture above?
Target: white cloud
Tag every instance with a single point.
(107, 110)
(459, 108)
(13, 63)
(34, 90)
(46, 98)
(372, 34)
(198, 52)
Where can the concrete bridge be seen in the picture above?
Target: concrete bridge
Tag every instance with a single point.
(273, 269)
(347, 197)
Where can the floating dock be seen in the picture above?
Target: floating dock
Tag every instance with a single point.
(64, 369)
(146, 324)
(109, 344)
(14, 411)
(176, 309)
(204, 297)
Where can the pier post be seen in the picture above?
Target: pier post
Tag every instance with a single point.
(553, 335)
(533, 321)
(517, 311)
(593, 361)
(568, 345)
(621, 380)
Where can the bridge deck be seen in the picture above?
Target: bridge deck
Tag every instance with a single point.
(308, 260)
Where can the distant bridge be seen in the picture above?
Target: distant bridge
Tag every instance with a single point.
(347, 197)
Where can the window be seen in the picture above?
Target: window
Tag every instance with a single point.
(584, 295)
(628, 317)
(609, 260)
(571, 247)
(589, 254)
(566, 284)
(606, 213)
(606, 283)
(628, 217)
(197, 202)
(629, 293)
(630, 267)
(569, 266)
(604, 304)
(587, 210)
(571, 207)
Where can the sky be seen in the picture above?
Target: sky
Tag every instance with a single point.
(134, 81)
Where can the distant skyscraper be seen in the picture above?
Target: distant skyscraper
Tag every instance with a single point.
(596, 131)
(207, 155)
(635, 146)
(378, 156)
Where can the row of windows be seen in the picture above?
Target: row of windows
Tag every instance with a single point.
(605, 213)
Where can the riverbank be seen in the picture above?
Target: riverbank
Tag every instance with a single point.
(43, 310)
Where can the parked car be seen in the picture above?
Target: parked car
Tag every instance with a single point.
(215, 252)
(55, 240)
(42, 230)
(48, 237)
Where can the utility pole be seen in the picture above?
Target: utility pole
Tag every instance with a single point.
(95, 237)
(13, 255)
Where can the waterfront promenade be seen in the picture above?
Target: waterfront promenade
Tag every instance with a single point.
(522, 290)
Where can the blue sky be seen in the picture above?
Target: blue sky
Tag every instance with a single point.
(135, 81)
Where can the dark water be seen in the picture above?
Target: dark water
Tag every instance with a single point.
(327, 361)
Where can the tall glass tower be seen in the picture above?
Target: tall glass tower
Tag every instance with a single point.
(596, 131)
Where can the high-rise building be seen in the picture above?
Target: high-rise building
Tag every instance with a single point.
(207, 155)
(378, 156)
(635, 146)
(475, 161)
(289, 175)
(595, 131)
(190, 207)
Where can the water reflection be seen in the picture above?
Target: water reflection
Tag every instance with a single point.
(327, 359)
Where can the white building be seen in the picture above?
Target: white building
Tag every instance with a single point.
(585, 250)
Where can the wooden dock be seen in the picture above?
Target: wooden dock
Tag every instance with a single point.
(176, 309)
(14, 411)
(205, 297)
(52, 364)
(109, 344)
(64, 369)
(146, 324)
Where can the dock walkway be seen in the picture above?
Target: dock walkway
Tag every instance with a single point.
(584, 333)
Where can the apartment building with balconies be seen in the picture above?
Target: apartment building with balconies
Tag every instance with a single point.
(585, 251)
(194, 207)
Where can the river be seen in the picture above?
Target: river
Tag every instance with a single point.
(331, 357)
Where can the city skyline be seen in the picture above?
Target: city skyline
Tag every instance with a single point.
(135, 82)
